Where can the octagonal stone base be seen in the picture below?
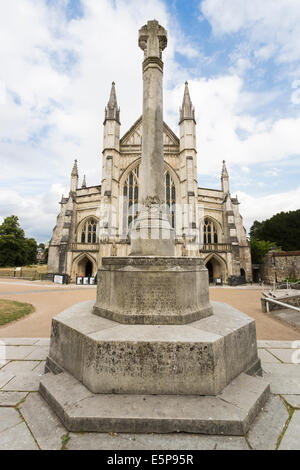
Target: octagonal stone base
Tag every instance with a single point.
(230, 413)
(153, 290)
(200, 358)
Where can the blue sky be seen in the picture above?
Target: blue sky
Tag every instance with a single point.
(59, 57)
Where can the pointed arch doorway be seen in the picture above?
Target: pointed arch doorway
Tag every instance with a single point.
(85, 267)
(216, 267)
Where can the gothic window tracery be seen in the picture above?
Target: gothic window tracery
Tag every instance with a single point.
(130, 199)
(131, 196)
(89, 231)
(210, 233)
(170, 192)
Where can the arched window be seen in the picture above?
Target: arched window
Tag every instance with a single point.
(210, 234)
(170, 197)
(130, 199)
(89, 232)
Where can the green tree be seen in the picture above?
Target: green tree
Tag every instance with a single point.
(283, 228)
(31, 251)
(15, 249)
(259, 248)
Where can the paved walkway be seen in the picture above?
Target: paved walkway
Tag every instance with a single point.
(50, 299)
(27, 422)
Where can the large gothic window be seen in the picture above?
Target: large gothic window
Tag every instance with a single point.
(89, 231)
(131, 196)
(170, 197)
(130, 199)
(210, 234)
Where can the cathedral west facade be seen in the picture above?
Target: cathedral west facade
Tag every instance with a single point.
(95, 221)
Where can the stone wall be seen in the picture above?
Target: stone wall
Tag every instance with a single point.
(285, 263)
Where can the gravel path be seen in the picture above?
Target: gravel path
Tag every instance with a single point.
(50, 299)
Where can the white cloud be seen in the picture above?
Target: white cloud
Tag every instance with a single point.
(227, 131)
(274, 25)
(263, 207)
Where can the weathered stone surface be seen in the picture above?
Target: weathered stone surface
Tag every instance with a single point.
(230, 413)
(178, 441)
(291, 439)
(153, 290)
(24, 382)
(11, 398)
(268, 425)
(198, 358)
(8, 418)
(44, 425)
(17, 438)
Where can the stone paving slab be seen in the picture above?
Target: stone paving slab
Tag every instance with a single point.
(17, 438)
(19, 341)
(266, 428)
(9, 417)
(15, 367)
(266, 356)
(275, 344)
(18, 352)
(39, 420)
(40, 353)
(24, 382)
(101, 441)
(44, 425)
(285, 355)
(11, 398)
(291, 438)
(5, 377)
(292, 400)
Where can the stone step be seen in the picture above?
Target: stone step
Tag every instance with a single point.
(230, 413)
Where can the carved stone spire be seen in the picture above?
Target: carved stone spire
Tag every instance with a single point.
(75, 169)
(112, 112)
(225, 178)
(224, 170)
(187, 110)
(83, 182)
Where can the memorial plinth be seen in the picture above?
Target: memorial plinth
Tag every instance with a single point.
(153, 290)
(153, 354)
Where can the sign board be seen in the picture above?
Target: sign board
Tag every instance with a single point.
(58, 279)
(18, 269)
(79, 280)
(92, 280)
(85, 280)
(219, 281)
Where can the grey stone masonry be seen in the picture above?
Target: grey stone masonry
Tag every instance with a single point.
(27, 422)
(153, 290)
(152, 234)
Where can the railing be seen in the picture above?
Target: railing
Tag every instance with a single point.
(282, 304)
(225, 247)
(27, 275)
(84, 246)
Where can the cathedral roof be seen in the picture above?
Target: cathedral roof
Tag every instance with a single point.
(137, 128)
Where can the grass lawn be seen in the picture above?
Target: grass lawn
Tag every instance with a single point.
(11, 310)
(40, 268)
